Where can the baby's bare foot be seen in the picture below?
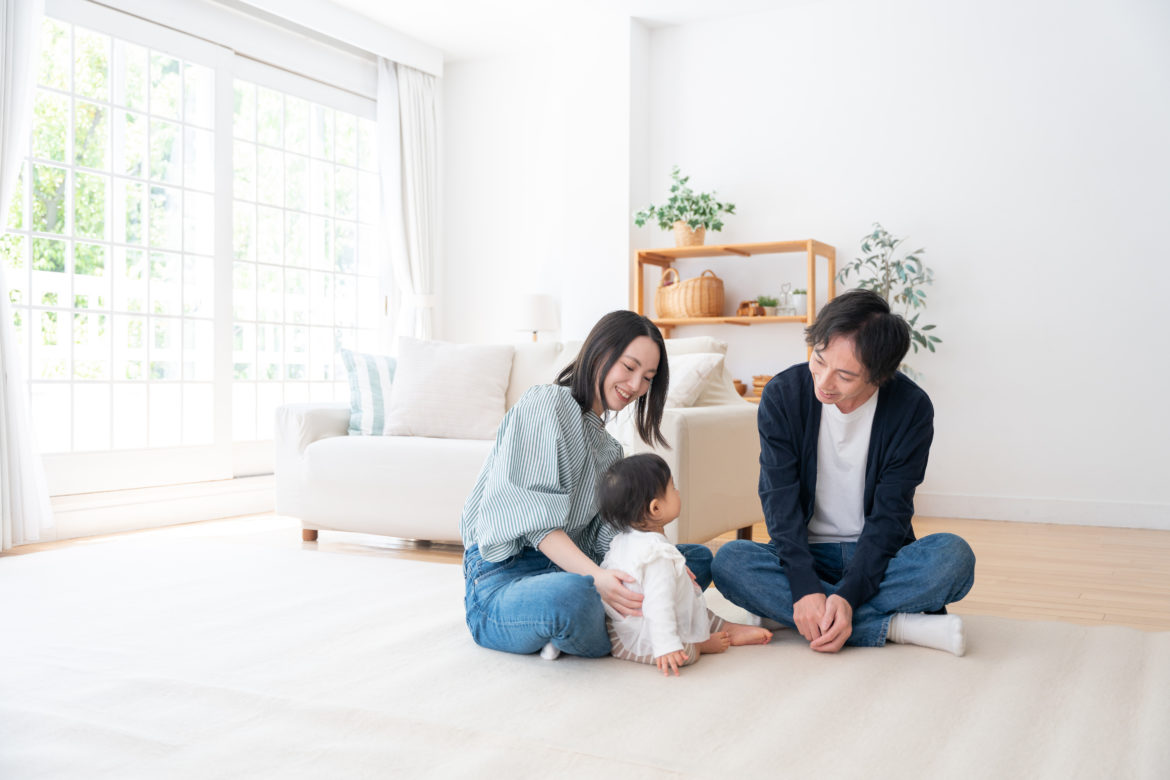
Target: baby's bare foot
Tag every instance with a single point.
(719, 641)
(747, 635)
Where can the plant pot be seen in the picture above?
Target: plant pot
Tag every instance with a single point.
(769, 311)
(800, 302)
(684, 236)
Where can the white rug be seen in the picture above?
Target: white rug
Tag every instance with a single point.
(196, 658)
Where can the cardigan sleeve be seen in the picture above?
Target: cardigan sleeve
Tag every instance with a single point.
(780, 469)
(887, 523)
(528, 489)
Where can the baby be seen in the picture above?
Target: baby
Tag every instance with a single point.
(637, 497)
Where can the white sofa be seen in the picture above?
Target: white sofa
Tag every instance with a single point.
(414, 487)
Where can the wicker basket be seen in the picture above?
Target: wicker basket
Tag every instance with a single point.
(698, 297)
(684, 235)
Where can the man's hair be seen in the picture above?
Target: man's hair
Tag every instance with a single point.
(881, 337)
(626, 489)
(603, 347)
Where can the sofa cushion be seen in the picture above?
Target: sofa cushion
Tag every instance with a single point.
(538, 363)
(371, 378)
(690, 375)
(407, 486)
(719, 388)
(449, 391)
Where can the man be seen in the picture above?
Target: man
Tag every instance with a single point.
(844, 441)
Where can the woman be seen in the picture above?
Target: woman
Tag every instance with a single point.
(530, 527)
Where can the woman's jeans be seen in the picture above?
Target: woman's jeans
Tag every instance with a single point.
(521, 604)
(924, 576)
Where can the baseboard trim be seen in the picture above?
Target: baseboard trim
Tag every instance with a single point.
(91, 514)
(1110, 514)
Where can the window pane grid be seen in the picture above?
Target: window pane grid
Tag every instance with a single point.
(109, 263)
(300, 256)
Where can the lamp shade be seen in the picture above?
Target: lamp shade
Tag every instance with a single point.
(536, 312)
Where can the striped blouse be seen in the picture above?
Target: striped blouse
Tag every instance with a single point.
(540, 476)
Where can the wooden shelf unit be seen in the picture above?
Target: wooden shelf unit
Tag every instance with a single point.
(664, 258)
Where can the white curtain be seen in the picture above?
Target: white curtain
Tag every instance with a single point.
(409, 167)
(25, 513)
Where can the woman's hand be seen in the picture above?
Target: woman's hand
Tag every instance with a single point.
(671, 661)
(610, 584)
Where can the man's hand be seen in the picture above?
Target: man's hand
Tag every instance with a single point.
(836, 625)
(808, 614)
(671, 661)
(610, 585)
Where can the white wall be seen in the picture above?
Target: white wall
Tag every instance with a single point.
(536, 179)
(1024, 144)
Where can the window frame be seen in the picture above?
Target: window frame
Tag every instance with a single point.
(105, 470)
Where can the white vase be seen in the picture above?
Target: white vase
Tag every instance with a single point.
(800, 301)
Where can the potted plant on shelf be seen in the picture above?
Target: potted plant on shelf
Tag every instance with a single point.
(800, 302)
(691, 215)
(769, 303)
(898, 279)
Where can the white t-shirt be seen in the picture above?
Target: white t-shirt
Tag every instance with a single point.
(842, 452)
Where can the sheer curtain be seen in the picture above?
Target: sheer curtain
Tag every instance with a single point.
(408, 161)
(25, 514)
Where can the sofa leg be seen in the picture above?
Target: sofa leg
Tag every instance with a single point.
(744, 533)
(310, 534)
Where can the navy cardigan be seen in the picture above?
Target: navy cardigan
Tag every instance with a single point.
(899, 444)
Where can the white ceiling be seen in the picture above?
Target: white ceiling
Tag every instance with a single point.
(467, 29)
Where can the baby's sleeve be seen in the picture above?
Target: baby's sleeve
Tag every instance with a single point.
(658, 608)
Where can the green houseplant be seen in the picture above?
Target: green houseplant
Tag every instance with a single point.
(690, 214)
(898, 276)
(800, 302)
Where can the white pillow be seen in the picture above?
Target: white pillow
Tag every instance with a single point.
(689, 376)
(449, 391)
(719, 389)
(694, 344)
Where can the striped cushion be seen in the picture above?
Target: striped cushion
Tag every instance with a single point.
(370, 380)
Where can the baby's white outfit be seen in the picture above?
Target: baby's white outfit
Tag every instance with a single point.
(674, 614)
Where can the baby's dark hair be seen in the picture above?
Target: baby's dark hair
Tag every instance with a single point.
(628, 486)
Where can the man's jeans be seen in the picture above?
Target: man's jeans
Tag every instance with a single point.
(521, 604)
(924, 576)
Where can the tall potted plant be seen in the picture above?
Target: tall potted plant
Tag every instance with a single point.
(899, 277)
(691, 215)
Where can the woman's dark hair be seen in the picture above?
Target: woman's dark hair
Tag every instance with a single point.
(881, 337)
(626, 489)
(602, 348)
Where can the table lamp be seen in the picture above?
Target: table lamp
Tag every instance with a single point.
(536, 312)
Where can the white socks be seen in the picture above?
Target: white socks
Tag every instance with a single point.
(550, 653)
(942, 632)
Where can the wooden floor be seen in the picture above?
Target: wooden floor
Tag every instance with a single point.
(1078, 574)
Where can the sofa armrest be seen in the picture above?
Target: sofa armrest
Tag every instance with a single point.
(715, 460)
(298, 426)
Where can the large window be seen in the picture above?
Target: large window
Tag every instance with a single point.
(187, 249)
(305, 280)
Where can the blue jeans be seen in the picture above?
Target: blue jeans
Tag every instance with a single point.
(924, 576)
(521, 604)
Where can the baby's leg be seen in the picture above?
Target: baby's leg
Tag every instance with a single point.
(719, 640)
(619, 650)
